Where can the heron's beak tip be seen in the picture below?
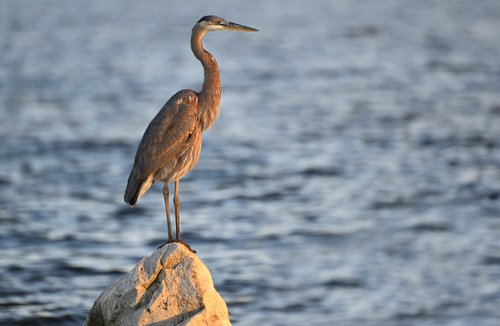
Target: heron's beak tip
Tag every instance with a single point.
(238, 27)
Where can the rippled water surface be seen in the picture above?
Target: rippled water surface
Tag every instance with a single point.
(353, 177)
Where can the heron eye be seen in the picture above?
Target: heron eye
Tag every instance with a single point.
(214, 22)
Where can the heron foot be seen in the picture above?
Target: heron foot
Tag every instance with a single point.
(178, 241)
(185, 244)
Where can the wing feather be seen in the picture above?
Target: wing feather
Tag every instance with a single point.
(162, 140)
(166, 133)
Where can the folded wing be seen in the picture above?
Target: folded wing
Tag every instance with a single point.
(162, 140)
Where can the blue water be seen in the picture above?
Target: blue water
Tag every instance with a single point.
(353, 177)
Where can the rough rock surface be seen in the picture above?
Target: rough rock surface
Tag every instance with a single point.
(170, 287)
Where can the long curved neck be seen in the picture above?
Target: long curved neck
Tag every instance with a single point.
(209, 96)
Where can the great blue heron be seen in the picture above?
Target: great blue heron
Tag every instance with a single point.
(171, 145)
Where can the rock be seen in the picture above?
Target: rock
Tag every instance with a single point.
(170, 287)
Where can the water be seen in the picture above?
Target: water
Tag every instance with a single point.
(351, 179)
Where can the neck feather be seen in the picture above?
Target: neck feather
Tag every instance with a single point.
(209, 96)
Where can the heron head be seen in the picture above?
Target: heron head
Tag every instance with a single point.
(213, 23)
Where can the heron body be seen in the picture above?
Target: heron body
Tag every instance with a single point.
(171, 144)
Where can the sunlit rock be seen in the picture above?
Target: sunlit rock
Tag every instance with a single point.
(170, 287)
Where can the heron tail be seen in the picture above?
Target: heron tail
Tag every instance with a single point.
(136, 188)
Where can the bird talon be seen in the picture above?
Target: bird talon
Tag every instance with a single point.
(169, 241)
(178, 241)
(185, 244)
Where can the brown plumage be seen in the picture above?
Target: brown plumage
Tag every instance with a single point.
(171, 144)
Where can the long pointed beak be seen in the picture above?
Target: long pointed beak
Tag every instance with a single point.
(230, 26)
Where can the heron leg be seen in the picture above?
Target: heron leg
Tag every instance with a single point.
(177, 204)
(166, 193)
(177, 220)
